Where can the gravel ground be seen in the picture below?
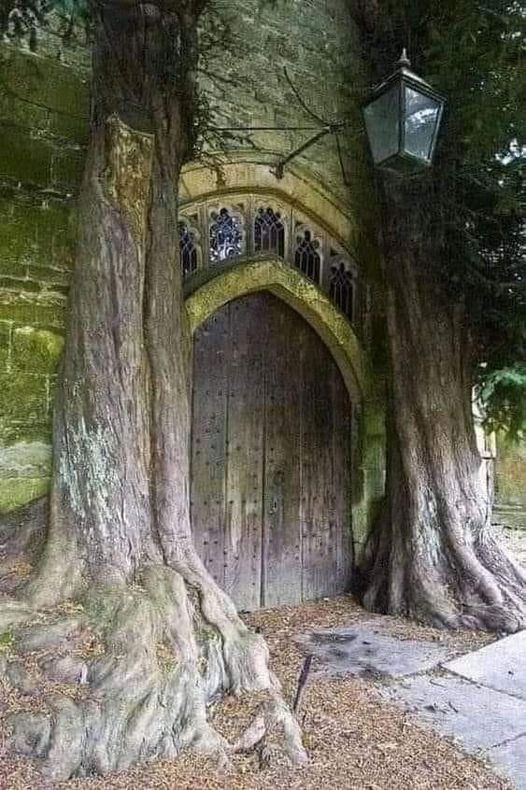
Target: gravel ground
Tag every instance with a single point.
(354, 739)
(516, 542)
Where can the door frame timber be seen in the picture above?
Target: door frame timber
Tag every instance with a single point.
(271, 274)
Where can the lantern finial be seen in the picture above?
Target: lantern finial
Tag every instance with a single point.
(403, 60)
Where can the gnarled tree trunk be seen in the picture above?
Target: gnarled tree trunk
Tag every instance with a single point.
(433, 554)
(119, 537)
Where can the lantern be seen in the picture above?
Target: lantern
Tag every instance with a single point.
(402, 120)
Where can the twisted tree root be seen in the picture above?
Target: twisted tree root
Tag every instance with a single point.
(147, 695)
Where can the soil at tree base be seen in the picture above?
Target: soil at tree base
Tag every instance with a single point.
(354, 739)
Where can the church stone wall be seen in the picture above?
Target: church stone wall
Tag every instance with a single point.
(43, 107)
(43, 127)
(510, 484)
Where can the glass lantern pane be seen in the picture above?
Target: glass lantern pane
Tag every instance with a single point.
(421, 118)
(382, 119)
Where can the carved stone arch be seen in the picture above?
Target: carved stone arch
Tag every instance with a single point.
(271, 274)
(200, 183)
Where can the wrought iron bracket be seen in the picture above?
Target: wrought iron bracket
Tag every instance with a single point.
(321, 130)
(329, 129)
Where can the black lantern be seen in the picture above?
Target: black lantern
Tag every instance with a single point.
(402, 120)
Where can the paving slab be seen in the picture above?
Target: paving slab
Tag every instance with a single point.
(479, 717)
(510, 758)
(364, 649)
(500, 665)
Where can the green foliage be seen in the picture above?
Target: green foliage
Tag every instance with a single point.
(505, 390)
(23, 19)
(475, 53)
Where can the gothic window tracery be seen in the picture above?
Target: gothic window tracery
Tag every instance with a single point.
(188, 247)
(226, 235)
(342, 286)
(247, 225)
(269, 231)
(306, 256)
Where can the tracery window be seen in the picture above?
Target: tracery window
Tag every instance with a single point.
(342, 287)
(306, 257)
(213, 232)
(188, 248)
(226, 235)
(269, 231)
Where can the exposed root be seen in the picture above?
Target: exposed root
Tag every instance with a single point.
(21, 537)
(466, 580)
(147, 694)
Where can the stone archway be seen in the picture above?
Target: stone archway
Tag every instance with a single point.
(270, 274)
(273, 275)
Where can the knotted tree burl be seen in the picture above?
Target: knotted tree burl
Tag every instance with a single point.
(119, 537)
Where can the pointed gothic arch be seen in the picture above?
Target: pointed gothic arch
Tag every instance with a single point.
(206, 296)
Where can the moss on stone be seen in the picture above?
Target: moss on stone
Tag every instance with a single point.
(44, 82)
(18, 492)
(40, 311)
(23, 157)
(25, 460)
(5, 344)
(35, 350)
(66, 169)
(23, 407)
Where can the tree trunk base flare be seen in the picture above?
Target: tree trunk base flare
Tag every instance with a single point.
(435, 557)
(142, 664)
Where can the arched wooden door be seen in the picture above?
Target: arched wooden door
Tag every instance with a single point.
(271, 456)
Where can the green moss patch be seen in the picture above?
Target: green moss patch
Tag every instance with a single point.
(15, 493)
(36, 350)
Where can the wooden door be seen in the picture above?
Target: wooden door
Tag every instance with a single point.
(270, 456)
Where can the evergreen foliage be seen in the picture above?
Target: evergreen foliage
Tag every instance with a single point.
(473, 52)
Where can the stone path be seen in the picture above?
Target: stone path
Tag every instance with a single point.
(479, 699)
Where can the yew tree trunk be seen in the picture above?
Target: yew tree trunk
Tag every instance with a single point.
(433, 554)
(119, 539)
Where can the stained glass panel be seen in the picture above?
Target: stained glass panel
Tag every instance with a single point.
(226, 236)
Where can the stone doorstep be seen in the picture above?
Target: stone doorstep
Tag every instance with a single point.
(510, 758)
(479, 717)
(500, 665)
(365, 650)
(480, 700)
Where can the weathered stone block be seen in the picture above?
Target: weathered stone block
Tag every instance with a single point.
(42, 81)
(69, 127)
(42, 312)
(5, 344)
(23, 407)
(35, 350)
(20, 113)
(23, 157)
(67, 168)
(17, 492)
(30, 460)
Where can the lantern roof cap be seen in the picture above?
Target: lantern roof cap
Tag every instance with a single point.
(404, 70)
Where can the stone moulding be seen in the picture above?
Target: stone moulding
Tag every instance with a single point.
(277, 277)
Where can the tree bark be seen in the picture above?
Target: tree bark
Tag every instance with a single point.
(433, 554)
(119, 537)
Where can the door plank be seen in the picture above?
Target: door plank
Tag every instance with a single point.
(281, 520)
(211, 353)
(244, 469)
(325, 465)
(271, 465)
